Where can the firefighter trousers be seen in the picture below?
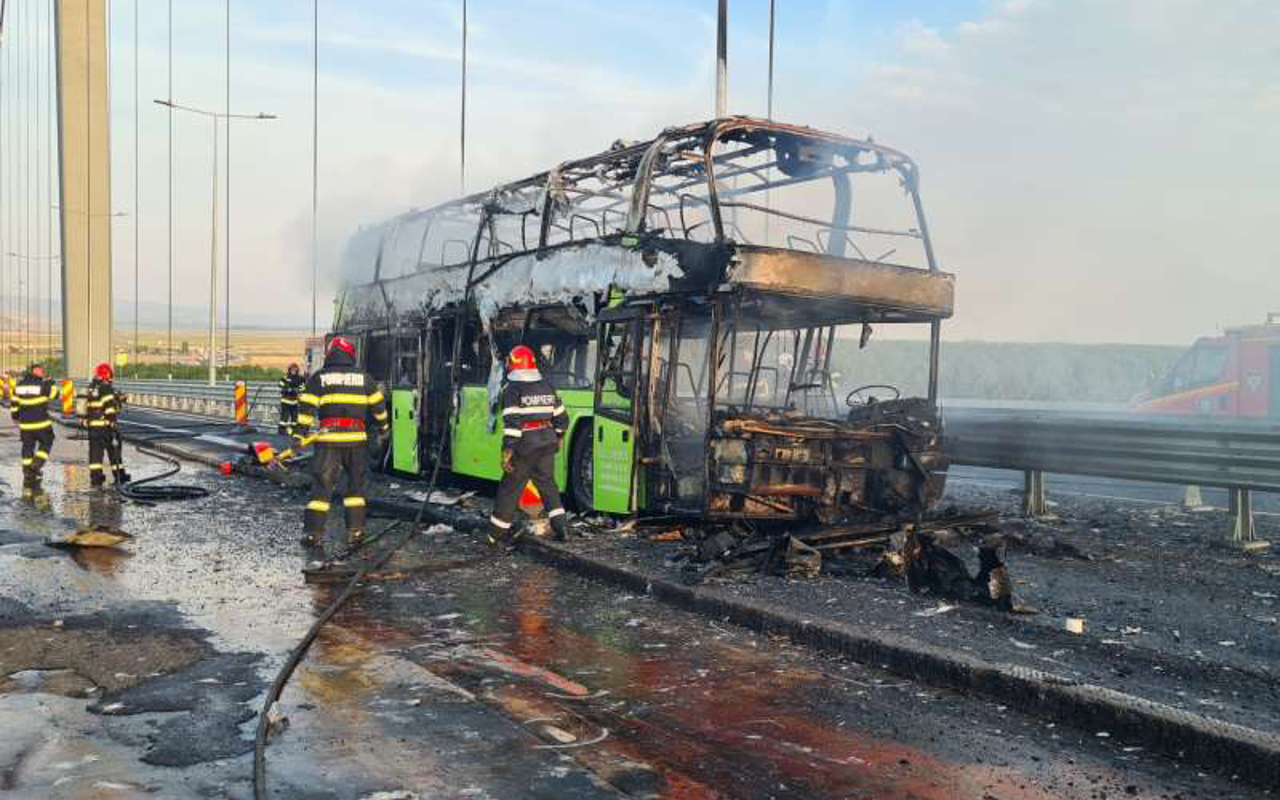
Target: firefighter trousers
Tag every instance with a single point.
(35, 451)
(537, 466)
(327, 465)
(102, 440)
(288, 417)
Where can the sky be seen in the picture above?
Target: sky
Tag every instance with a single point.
(1092, 170)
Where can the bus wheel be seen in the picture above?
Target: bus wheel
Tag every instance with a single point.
(581, 472)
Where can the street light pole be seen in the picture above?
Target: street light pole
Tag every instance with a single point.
(214, 117)
(722, 60)
(213, 266)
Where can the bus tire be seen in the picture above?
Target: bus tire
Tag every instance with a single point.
(581, 494)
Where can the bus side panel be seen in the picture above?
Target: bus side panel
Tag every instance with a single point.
(404, 430)
(476, 451)
(579, 403)
(611, 454)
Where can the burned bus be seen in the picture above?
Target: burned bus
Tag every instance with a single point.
(692, 297)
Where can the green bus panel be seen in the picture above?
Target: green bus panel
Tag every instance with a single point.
(612, 451)
(478, 453)
(404, 430)
(475, 450)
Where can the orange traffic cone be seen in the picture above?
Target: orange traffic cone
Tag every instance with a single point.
(530, 500)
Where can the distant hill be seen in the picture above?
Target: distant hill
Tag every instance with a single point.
(156, 315)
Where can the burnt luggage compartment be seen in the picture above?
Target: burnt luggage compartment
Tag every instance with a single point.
(883, 459)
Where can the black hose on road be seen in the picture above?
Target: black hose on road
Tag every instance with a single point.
(141, 491)
(300, 650)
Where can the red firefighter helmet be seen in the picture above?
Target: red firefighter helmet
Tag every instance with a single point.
(521, 357)
(103, 372)
(341, 343)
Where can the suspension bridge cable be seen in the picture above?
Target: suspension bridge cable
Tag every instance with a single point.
(88, 195)
(4, 140)
(6, 209)
(41, 145)
(169, 97)
(15, 153)
(315, 158)
(226, 355)
(462, 149)
(769, 115)
(6, 144)
(27, 58)
(137, 214)
(50, 142)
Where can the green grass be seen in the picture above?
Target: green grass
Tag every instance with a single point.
(178, 372)
(191, 372)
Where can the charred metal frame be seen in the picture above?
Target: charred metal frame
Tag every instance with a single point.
(640, 196)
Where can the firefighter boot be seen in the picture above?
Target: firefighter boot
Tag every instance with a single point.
(495, 537)
(559, 528)
(96, 478)
(502, 539)
(121, 477)
(355, 537)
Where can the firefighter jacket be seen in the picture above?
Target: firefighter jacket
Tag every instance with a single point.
(290, 387)
(102, 404)
(532, 416)
(30, 403)
(341, 402)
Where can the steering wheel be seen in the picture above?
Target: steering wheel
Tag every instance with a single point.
(850, 398)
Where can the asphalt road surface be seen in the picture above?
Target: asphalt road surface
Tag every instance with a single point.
(137, 671)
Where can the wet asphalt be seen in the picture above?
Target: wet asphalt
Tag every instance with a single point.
(137, 671)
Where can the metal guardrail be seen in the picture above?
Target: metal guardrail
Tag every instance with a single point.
(198, 397)
(1239, 455)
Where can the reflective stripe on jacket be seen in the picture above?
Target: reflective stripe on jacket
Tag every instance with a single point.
(290, 387)
(102, 404)
(341, 403)
(532, 415)
(30, 404)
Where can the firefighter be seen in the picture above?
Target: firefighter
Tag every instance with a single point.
(533, 425)
(102, 410)
(29, 405)
(342, 402)
(291, 385)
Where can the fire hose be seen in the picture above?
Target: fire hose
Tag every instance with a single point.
(143, 490)
(300, 650)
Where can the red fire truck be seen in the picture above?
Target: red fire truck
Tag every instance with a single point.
(1236, 374)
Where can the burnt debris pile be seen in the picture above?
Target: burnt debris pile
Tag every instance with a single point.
(921, 553)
